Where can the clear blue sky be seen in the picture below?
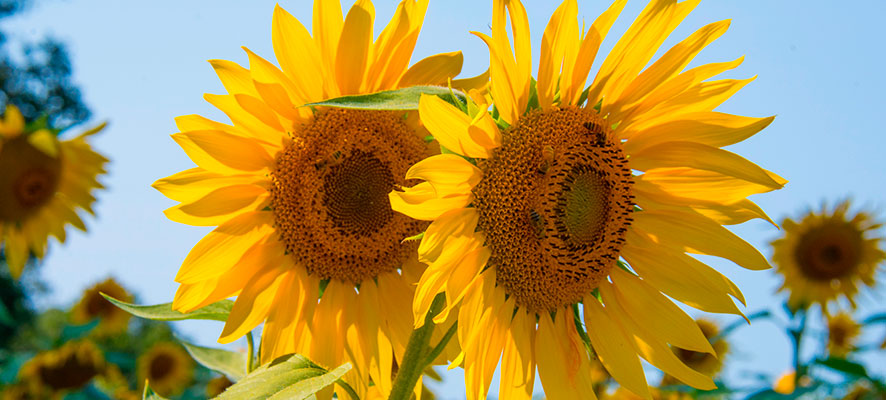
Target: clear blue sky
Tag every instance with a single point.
(140, 64)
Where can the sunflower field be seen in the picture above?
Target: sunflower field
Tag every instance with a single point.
(416, 199)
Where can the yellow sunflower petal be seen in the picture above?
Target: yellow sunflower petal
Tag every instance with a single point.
(219, 205)
(253, 304)
(222, 152)
(562, 30)
(353, 47)
(421, 202)
(587, 53)
(657, 313)
(15, 248)
(455, 256)
(457, 222)
(433, 70)
(447, 173)
(234, 78)
(461, 278)
(656, 352)
(710, 128)
(194, 183)
(518, 359)
(224, 246)
(450, 127)
(297, 54)
(700, 235)
(560, 357)
(703, 157)
(614, 348)
(13, 122)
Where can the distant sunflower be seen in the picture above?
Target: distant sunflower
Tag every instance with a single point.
(166, 367)
(53, 373)
(707, 363)
(217, 386)
(92, 305)
(537, 222)
(306, 238)
(827, 255)
(45, 181)
(842, 333)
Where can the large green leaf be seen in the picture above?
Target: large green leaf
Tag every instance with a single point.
(163, 312)
(845, 366)
(287, 377)
(400, 99)
(230, 363)
(150, 395)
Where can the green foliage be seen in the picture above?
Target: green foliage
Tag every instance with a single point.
(150, 395)
(225, 362)
(287, 377)
(163, 312)
(391, 100)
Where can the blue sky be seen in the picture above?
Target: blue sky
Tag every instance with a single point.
(140, 64)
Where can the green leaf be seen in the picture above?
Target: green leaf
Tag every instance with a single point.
(149, 393)
(845, 366)
(400, 99)
(230, 363)
(74, 332)
(875, 319)
(163, 312)
(5, 317)
(290, 377)
(308, 387)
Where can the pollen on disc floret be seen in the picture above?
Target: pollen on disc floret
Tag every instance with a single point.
(330, 194)
(555, 204)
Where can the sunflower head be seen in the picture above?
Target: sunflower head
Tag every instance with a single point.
(843, 331)
(564, 198)
(112, 320)
(166, 367)
(217, 386)
(706, 363)
(828, 255)
(45, 181)
(68, 368)
(305, 236)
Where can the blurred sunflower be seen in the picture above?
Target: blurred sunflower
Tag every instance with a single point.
(842, 333)
(53, 373)
(539, 220)
(45, 181)
(306, 238)
(217, 386)
(707, 363)
(166, 367)
(112, 320)
(827, 255)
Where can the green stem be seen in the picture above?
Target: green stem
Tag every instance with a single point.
(250, 345)
(442, 345)
(416, 355)
(797, 338)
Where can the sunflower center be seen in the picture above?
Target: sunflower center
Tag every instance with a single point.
(29, 179)
(71, 373)
(330, 194)
(555, 203)
(160, 366)
(829, 252)
(97, 306)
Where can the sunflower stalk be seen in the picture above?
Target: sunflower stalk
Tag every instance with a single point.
(250, 360)
(796, 335)
(418, 353)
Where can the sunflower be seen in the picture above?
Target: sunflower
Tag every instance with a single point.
(538, 209)
(306, 238)
(56, 372)
(707, 363)
(217, 386)
(166, 367)
(45, 181)
(842, 333)
(92, 305)
(827, 255)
